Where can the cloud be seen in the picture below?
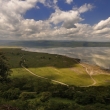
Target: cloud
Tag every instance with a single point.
(102, 24)
(102, 29)
(69, 1)
(55, 1)
(85, 8)
(65, 17)
(11, 17)
(69, 18)
(69, 24)
(60, 25)
(74, 15)
(18, 6)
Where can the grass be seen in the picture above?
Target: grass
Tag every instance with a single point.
(102, 79)
(51, 66)
(64, 75)
(20, 72)
(34, 59)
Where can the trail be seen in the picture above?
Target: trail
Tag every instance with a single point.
(89, 73)
(43, 77)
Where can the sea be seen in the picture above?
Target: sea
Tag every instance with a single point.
(98, 55)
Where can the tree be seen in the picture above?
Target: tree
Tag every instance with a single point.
(4, 67)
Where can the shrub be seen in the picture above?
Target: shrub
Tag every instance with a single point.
(45, 96)
(27, 95)
(12, 93)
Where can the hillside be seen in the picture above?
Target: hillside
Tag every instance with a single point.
(56, 67)
(53, 82)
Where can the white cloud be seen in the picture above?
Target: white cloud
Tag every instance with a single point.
(11, 16)
(65, 16)
(103, 31)
(55, 1)
(102, 24)
(69, 1)
(60, 25)
(85, 8)
(69, 18)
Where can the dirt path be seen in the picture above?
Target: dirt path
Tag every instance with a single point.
(89, 73)
(44, 77)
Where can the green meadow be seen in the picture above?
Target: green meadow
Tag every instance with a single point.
(51, 66)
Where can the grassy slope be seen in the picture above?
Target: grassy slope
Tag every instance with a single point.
(55, 67)
(102, 79)
(65, 75)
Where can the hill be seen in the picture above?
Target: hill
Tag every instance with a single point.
(56, 67)
(53, 82)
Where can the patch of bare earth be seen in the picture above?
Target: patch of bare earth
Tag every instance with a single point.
(95, 70)
(78, 70)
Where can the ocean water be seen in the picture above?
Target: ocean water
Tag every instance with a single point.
(93, 55)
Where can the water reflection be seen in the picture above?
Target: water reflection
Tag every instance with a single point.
(93, 55)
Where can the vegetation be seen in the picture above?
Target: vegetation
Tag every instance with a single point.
(4, 68)
(24, 91)
(32, 93)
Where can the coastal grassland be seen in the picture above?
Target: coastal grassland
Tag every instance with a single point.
(51, 66)
(34, 59)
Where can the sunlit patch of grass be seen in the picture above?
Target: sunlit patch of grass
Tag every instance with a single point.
(20, 72)
(64, 75)
(102, 79)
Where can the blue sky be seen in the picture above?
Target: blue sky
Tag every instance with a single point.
(100, 11)
(87, 20)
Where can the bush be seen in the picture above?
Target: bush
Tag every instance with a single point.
(27, 95)
(45, 96)
(12, 93)
(53, 105)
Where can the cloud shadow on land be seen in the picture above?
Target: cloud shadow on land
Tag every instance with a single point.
(36, 60)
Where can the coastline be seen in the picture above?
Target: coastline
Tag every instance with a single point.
(16, 47)
(31, 50)
(54, 65)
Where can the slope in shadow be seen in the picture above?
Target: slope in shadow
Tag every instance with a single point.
(34, 59)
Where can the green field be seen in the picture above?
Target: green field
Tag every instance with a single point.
(51, 66)
(37, 82)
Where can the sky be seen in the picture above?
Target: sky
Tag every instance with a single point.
(78, 20)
